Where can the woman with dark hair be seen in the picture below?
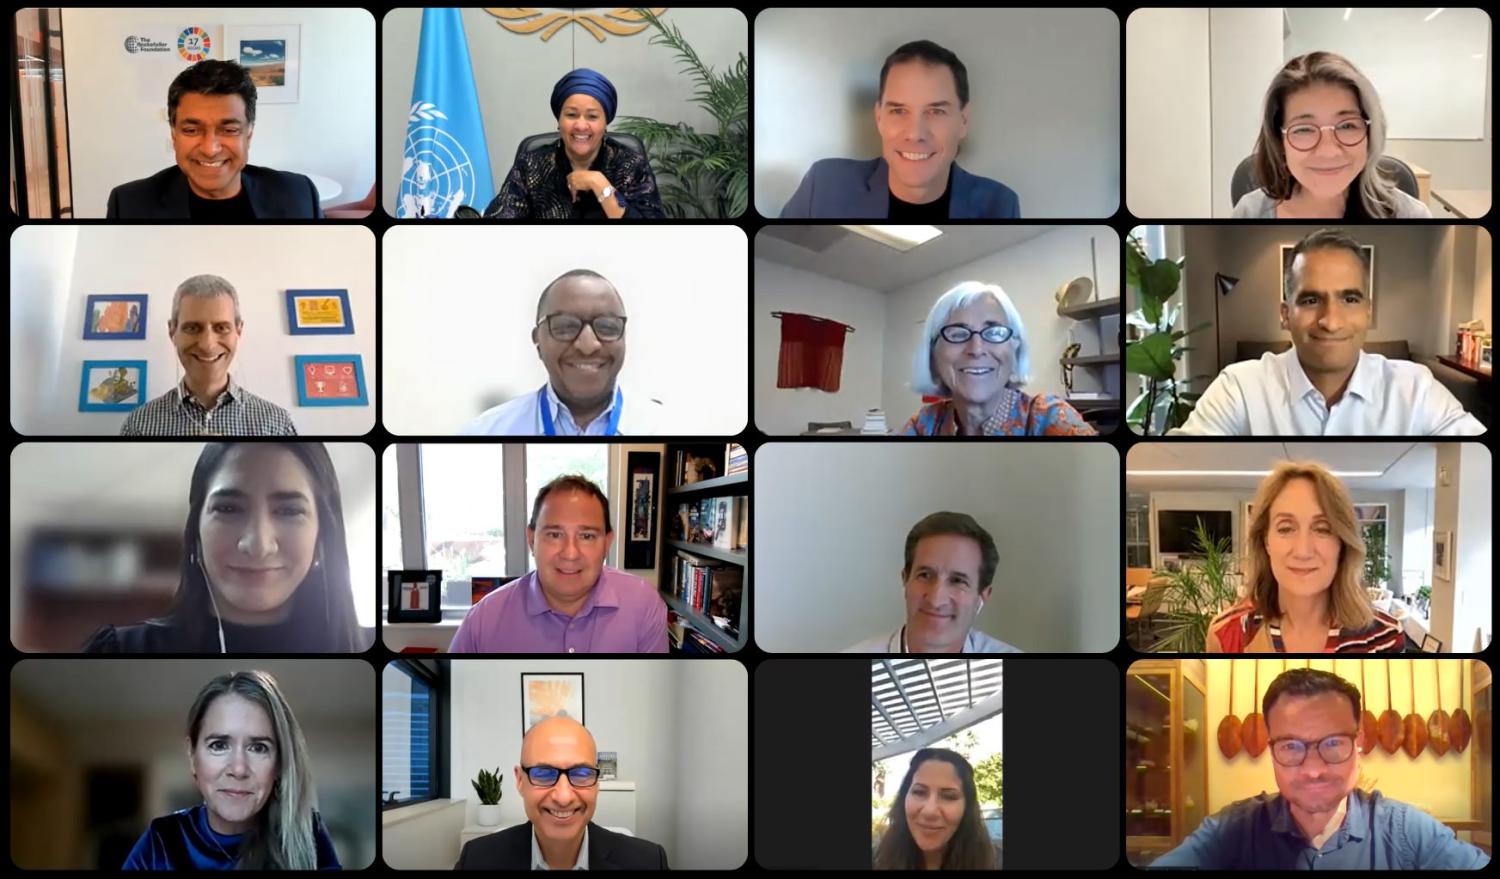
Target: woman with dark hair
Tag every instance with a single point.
(935, 823)
(250, 763)
(265, 567)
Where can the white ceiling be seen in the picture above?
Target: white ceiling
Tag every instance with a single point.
(144, 689)
(1400, 465)
(835, 252)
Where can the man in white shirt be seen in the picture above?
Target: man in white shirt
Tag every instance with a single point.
(1326, 385)
(580, 338)
(950, 566)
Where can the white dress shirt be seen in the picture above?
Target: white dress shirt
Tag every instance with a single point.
(975, 642)
(540, 863)
(522, 416)
(1273, 396)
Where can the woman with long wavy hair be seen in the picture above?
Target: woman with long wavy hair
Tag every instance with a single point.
(935, 822)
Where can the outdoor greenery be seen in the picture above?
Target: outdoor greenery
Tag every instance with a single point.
(1187, 600)
(1377, 571)
(1166, 402)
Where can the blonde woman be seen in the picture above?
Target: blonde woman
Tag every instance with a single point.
(250, 764)
(1306, 555)
(1322, 134)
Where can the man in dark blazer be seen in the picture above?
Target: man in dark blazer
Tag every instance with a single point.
(558, 781)
(211, 112)
(922, 114)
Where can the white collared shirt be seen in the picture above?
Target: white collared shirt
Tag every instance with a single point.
(1273, 396)
(540, 863)
(975, 642)
(523, 417)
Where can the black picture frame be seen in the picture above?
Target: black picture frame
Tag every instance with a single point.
(396, 609)
(643, 490)
(525, 711)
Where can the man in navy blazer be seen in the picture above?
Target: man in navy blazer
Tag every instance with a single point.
(922, 114)
(211, 112)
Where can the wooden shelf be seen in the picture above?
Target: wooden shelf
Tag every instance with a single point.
(711, 484)
(1092, 310)
(701, 624)
(709, 552)
(1091, 360)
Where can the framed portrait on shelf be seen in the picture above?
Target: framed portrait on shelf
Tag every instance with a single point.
(550, 694)
(109, 316)
(414, 596)
(1367, 249)
(272, 54)
(640, 537)
(112, 385)
(319, 313)
(331, 380)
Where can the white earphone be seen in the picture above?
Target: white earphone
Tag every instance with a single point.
(218, 620)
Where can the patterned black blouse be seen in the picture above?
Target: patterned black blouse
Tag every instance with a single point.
(537, 186)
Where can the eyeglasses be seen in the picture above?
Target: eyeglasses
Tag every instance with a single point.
(1333, 749)
(547, 776)
(567, 327)
(1305, 136)
(958, 334)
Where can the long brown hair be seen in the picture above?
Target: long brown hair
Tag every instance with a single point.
(1376, 194)
(969, 849)
(1348, 603)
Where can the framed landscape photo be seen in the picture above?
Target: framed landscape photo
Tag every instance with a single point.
(414, 596)
(272, 54)
(112, 385)
(319, 313)
(331, 380)
(550, 694)
(115, 316)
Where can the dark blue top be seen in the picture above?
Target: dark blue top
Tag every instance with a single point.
(184, 841)
(1378, 834)
(860, 189)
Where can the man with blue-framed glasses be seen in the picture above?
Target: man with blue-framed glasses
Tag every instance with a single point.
(558, 780)
(1320, 819)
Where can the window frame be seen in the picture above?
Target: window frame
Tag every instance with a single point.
(435, 676)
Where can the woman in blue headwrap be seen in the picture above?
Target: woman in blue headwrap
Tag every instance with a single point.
(586, 174)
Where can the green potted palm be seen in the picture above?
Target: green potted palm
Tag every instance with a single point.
(1183, 602)
(699, 173)
(487, 786)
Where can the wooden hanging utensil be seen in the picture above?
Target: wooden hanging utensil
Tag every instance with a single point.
(1367, 734)
(1413, 727)
(1460, 728)
(1388, 729)
(1437, 721)
(1229, 727)
(1253, 733)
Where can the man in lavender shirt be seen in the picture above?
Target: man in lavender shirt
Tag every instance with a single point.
(571, 603)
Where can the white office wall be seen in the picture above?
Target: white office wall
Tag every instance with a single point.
(1030, 274)
(1415, 537)
(459, 303)
(788, 410)
(117, 102)
(41, 271)
(648, 711)
(1483, 276)
(1044, 97)
(831, 521)
(514, 74)
(1245, 48)
(426, 841)
(1462, 602)
(1168, 120)
(262, 262)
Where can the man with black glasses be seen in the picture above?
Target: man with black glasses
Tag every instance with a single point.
(558, 780)
(580, 338)
(1319, 819)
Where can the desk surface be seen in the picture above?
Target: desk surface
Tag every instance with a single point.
(1483, 373)
(1470, 204)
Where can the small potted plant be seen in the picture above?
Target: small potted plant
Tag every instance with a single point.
(487, 785)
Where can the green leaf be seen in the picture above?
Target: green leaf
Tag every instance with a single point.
(1160, 280)
(1151, 357)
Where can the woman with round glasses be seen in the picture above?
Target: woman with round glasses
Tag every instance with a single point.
(975, 359)
(1318, 153)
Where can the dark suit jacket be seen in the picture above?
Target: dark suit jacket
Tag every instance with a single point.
(840, 188)
(274, 195)
(510, 849)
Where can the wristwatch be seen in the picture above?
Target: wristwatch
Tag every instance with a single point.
(608, 191)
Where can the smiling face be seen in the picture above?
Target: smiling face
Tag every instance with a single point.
(1300, 541)
(920, 124)
(258, 532)
(976, 371)
(234, 762)
(583, 370)
(934, 805)
(1314, 788)
(1327, 169)
(582, 126)
(206, 335)
(561, 812)
(569, 542)
(211, 138)
(942, 593)
(1328, 314)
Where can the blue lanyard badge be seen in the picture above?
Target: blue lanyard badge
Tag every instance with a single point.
(549, 429)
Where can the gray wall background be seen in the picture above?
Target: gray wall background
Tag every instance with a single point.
(514, 75)
(1044, 97)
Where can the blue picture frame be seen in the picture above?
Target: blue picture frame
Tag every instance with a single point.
(86, 404)
(297, 328)
(96, 299)
(309, 396)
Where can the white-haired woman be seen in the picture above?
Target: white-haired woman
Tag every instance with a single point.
(975, 360)
(1317, 156)
(250, 764)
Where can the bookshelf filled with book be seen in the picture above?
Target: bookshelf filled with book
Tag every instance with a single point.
(705, 560)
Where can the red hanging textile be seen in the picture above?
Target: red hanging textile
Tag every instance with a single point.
(812, 352)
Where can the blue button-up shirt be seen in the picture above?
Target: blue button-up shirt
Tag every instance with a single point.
(1377, 834)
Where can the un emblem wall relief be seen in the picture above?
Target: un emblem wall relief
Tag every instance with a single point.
(622, 21)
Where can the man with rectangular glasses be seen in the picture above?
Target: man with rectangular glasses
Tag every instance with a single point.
(1319, 820)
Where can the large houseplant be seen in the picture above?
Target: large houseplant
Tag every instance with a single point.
(1186, 600)
(1165, 402)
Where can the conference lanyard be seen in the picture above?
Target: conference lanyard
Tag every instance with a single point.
(551, 430)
